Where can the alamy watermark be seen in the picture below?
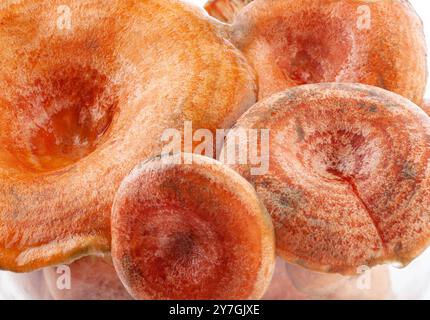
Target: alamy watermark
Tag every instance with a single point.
(64, 18)
(240, 146)
(64, 280)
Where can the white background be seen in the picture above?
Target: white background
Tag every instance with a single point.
(405, 281)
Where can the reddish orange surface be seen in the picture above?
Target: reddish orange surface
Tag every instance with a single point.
(348, 183)
(82, 106)
(225, 10)
(191, 232)
(293, 42)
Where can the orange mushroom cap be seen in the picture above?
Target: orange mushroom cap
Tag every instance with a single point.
(191, 231)
(348, 183)
(87, 89)
(294, 42)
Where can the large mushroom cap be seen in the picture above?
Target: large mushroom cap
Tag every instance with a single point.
(191, 231)
(87, 88)
(348, 183)
(294, 42)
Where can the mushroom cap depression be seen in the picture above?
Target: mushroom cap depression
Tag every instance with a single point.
(348, 181)
(193, 230)
(87, 89)
(294, 42)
